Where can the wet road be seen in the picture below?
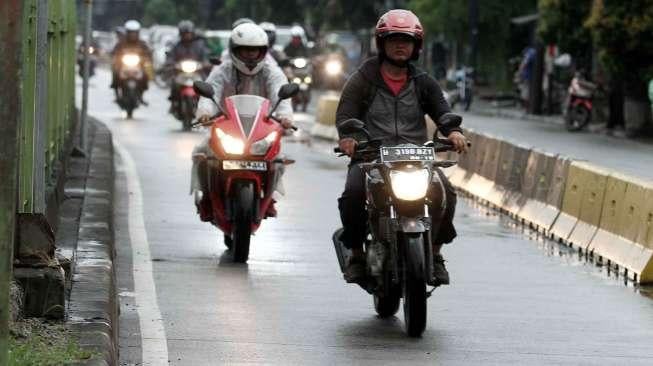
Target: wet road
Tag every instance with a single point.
(513, 299)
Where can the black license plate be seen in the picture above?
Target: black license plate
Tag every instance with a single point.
(397, 154)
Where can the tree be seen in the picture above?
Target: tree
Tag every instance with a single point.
(451, 19)
(561, 23)
(623, 32)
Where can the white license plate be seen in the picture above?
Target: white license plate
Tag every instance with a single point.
(303, 87)
(259, 166)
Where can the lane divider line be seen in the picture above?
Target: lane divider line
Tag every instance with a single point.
(154, 344)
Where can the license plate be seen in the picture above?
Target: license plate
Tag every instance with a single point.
(303, 87)
(259, 166)
(396, 154)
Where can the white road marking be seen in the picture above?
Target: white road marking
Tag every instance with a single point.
(153, 334)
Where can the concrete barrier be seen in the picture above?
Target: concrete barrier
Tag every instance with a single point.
(627, 213)
(513, 199)
(325, 117)
(478, 185)
(536, 183)
(571, 202)
(594, 180)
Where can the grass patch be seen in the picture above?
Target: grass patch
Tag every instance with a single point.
(36, 343)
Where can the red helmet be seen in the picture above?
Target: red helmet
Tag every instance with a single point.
(402, 22)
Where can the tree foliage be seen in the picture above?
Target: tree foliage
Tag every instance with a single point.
(561, 23)
(496, 36)
(623, 33)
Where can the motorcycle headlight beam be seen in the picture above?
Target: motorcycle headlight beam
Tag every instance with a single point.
(262, 146)
(189, 66)
(333, 67)
(230, 144)
(131, 60)
(409, 185)
(300, 63)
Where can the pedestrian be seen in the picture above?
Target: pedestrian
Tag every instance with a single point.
(526, 74)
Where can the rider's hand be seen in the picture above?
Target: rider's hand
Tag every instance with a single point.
(348, 146)
(459, 141)
(286, 122)
(204, 119)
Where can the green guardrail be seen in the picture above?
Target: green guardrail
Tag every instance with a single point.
(48, 112)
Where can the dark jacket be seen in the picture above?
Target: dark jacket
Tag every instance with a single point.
(194, 50)
(393, 119)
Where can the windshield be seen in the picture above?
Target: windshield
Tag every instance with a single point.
(247, 106)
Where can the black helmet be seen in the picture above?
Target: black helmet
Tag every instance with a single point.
(186, 26)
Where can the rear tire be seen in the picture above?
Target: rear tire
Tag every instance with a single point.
(244, 215)
(414, 285)
(577, 118)
(228, 242)
(388, 305)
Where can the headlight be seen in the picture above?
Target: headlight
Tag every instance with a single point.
(333, 67)
(297, 80)
(261, 147)
(131, 60)
(300, 63)
(308, 80)
(409, 186)
(230, 144)
(189, 66)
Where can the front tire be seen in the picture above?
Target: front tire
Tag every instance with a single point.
(186, 113)
(577, 118)
(414, 284)
(242, 228)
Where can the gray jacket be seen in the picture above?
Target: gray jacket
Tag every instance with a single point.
(393, 119)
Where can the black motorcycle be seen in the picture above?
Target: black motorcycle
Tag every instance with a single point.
(131, 76)
(398, 249)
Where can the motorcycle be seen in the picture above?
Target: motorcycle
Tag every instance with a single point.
(92, 61)
(578, 104)
(244, 168)
(185, 105)
(131, 74)
(300, 73)
(333, 74)
(398, 249)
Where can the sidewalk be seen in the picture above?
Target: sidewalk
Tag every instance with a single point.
(627, 156)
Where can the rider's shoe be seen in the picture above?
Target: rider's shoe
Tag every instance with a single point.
(440, 270)
(355, 270)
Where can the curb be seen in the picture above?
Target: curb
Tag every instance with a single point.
(93, 307)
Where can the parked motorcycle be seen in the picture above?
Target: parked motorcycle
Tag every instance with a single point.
(131, 76)
(300, 73)
(578, 104)
(398, 250)
(185, 104)
(244, 168)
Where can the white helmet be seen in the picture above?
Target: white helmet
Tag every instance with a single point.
(296, 31)
(132, 26)
(248, 35)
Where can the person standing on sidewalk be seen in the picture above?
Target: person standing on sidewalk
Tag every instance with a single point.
(391, 96)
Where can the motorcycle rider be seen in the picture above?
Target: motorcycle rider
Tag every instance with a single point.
(390, 95)
(245, 72)
(296, 48)
(271, 30)
(131, 43)
(188, 47)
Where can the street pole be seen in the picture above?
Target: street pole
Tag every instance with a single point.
(86, 74)
(11, 24)
(473, 33)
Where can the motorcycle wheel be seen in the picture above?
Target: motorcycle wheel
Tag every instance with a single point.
(228, 242)
(388, 305)
(244, 215)
(414, 285)
(577, 118)
(186, 113)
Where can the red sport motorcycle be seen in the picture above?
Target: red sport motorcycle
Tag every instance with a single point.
(244, 168)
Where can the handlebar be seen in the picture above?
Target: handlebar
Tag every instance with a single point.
(274, 118)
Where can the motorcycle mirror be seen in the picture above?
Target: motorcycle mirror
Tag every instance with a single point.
(215, 60)
(288, 91)
(204, 89)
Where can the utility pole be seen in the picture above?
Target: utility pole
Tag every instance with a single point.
(87, 64)
(473, 33)
(11, 27)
